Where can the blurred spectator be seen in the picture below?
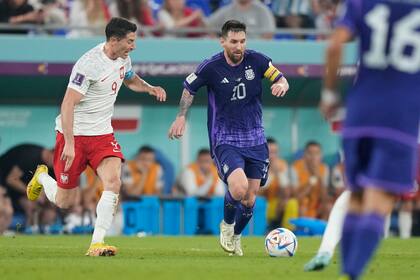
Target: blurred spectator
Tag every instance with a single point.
(6, 211)
(174, 14)
(93, 14)
(309, 178)
(137, 11)
(16, 12)
(142, 176)
(200, 178)
(276, 190)
(295, 13)
(327, 14)
(253, 13)
(17, 165)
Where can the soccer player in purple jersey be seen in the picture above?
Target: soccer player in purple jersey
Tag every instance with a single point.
(383, 110)
(236, 134)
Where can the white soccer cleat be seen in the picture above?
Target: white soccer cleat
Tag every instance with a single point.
(226, 237)
(238, 248)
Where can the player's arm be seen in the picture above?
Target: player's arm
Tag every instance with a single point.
(280, 85)
(137, 84)
(71, 98)
(329, 96)
(178, 126)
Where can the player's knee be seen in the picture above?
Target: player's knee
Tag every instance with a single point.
(113, 184)
(238, 189)
(65, 203)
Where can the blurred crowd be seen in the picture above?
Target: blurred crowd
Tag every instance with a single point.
(196, 18)
(304, 186)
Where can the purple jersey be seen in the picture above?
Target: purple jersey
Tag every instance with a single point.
(234, 98)
(385, 99)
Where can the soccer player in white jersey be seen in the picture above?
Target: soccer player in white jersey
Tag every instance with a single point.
(84, 132)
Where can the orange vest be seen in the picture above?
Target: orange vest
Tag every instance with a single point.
(274, 187)
(309, 204)
(93, 181)
(200, 179)
(151, 178)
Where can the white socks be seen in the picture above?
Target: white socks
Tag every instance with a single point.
(105, 212)
(50, 186)
(405, 221)
(332, 234)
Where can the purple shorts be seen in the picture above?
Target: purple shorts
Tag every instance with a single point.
(380, 163)
(253, 160)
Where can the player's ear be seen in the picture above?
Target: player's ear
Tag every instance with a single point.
(222, 40)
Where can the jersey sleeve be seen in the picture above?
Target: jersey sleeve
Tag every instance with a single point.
(268, 70)
(197, 79)
(129, 73)
(80, 78)
(347, 16)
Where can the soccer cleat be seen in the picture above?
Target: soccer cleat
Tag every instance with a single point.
(319, 262)
(101, 250)
(226, 237)
(345, 277)
(34, 187)
(238, 248)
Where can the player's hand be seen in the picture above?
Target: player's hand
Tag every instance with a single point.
(159, 92)
(329, 104)
(280, 88)
(177, 128)
(68, 155)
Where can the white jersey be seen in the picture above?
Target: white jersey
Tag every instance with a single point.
(99, 79)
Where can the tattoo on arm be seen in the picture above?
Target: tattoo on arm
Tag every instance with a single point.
(185, 103)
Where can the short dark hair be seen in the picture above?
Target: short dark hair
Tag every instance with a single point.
(271, 140)
(234, 26)
(203, 152)
(312, 143)
(146, 149)
(119, 27)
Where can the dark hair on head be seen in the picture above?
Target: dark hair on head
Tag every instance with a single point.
(271, 140)
(203, 151)
(146, 149)
(119, 27)
(312, 143)
(234, 26)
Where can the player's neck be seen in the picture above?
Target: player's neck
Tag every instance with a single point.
(109, 53)
(230, 62)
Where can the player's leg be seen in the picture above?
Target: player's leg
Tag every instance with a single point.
(256, 170)
(63, 192)
(332, 234)
(109, 171)
(244, 213)
(405, 219)
(368, 230)
(380, 181)
(105, 157)
(230, 168)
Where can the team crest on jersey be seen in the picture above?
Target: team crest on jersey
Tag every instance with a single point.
(249, 73)
(64, 178)
(122, 74)
(78, 79)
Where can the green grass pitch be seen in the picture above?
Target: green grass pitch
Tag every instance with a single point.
(198, 258)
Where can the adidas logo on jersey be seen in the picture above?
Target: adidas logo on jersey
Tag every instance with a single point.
(224, 81)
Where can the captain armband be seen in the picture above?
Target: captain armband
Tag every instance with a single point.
(129, 75)
(272, 73)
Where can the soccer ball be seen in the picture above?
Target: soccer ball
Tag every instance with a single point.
(281, 242)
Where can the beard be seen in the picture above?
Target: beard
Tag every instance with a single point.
(235, 57)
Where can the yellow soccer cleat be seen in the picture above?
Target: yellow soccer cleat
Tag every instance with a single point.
(101, 250)
(34, 187)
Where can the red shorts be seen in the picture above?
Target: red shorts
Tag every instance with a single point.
(88, 150)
